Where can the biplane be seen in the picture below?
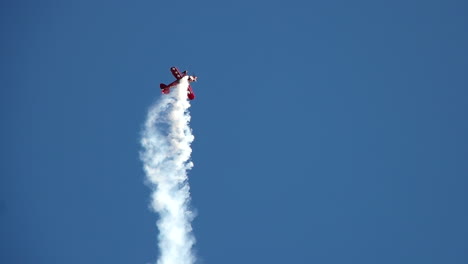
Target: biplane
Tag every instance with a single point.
(166, 89)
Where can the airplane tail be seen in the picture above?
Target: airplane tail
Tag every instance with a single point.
(164, 88)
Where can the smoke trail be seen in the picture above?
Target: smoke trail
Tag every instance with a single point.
(166, 140)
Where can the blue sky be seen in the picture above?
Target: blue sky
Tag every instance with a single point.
(325, 131)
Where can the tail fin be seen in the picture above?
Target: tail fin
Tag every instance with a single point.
(164, 88)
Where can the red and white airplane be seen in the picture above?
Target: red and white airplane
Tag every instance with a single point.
(165, 89)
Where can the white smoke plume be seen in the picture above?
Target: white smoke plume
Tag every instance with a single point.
(166, 140)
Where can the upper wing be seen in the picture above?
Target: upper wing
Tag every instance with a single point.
(177, 73)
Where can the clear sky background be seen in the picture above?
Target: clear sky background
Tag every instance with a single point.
(325, 131)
